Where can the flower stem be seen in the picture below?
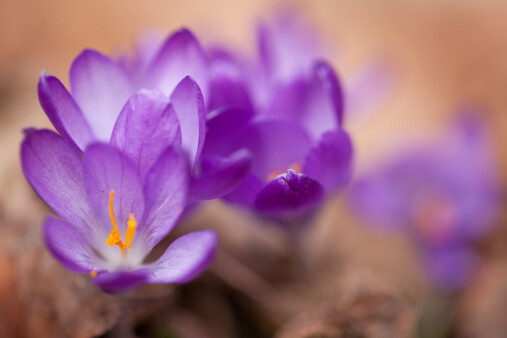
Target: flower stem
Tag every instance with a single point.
(244, 280)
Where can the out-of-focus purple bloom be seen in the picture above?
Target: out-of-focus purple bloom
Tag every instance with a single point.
(170, 80)
(288, 46)
(443, 195)
(114, 209)
(286, 109)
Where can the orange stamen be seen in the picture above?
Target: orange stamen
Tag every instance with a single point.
(111, 211)
(130, 232)
(114, 237)
(296, 167)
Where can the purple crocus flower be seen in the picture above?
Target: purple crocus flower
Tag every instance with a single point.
(288, 46)
(114, 210)
(443, 195)
(287, 112)
(170, 81)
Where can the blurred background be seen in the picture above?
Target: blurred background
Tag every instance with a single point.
(442, 55)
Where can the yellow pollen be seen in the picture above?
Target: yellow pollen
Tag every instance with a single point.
(93, 273)
(296, 167)
(114, 237)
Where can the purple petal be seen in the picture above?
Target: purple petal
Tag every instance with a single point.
(180, 56)
(107, 169)
(146, 126)
(246, 193)
(69, 246)
(227, 87)
(315, 102)
(289, 194)
(121, 281)
(146, 46)
(276, 146)
(165, 189)
(451, 269)
(101, 87)
(475, 154)
(380, 203)
(219, 52)
(189, 105)
(55, 172)
(185, 258)
(323, 109)
(219, 176)
(288, 99)
(330, 161)
(63, 111)
(288, 47)
(224, 129)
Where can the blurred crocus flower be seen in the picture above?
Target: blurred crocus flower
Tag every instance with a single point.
(114, 210)
(105, 92)
(289, 45)
(443, 195)
(286, 109)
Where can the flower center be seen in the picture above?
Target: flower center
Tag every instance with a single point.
(114, 237)
(294, 166)
(435, 216)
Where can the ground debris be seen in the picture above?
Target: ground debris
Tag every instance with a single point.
(370, 314)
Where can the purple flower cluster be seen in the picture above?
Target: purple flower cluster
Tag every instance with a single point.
(139, 139)
(144, 109)
(443, 195)
(286, 108)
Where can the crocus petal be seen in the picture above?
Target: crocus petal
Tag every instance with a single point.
(287, 46)
(146, 126)
(289, 194)
(323, 109)
(246, 193)
(227, 87)
(55, 172)
(63, 111)
(379, 204)
(288, 99)
(101, 87)
(219, 176)
(473, 151)
(165, 190)
(223, 130)
(189, 105)
(330, 161)
(185, 258)
(181, 55)
(451, 269)
(121, 281)
(69, 246)
(107, 169)
(221, 53)
(276, 146)
(146, 47)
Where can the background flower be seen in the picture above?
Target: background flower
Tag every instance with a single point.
(288, 112)
(443, 194)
